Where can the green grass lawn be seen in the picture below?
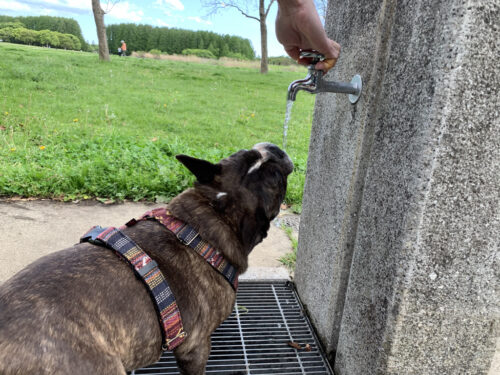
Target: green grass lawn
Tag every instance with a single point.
(74, 128)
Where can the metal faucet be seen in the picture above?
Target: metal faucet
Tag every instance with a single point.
(314, 82)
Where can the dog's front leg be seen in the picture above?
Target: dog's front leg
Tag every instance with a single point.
(192, 360)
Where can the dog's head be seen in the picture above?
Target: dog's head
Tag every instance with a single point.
(246, 189)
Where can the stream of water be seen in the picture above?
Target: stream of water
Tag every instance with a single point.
(288, 116)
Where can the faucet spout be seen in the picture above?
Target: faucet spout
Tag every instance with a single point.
(314, 83)
(309, 84)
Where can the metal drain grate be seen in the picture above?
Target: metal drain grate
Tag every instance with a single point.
(254, 339)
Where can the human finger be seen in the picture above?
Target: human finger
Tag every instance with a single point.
(326, 64)
(329, 48)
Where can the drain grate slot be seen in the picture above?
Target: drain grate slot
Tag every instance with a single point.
(254, 338)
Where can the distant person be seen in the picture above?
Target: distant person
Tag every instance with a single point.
(298, 27)
(119, 51)
(123, 48)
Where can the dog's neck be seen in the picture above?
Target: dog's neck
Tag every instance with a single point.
(194, 209)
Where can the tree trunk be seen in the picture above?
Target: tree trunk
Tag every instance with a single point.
(101, 30)
(263, 37)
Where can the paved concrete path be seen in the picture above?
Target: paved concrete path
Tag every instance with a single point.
(31, 229)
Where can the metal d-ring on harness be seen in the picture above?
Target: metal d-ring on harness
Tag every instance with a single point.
(147, 270)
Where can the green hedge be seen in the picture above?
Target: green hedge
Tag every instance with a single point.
(37, 23)
(47, 38)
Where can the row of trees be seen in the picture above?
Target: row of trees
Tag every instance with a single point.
(168, 40)
(15, 32)
(58, 25)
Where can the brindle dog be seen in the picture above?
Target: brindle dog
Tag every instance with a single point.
(83, 311)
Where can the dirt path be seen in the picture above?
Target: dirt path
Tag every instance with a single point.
(31, 229)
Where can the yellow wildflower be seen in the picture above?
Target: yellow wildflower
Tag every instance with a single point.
(6, 113)
(13, 149)
(75, 120)
(164, 105)
(252, 115)
(42, 147)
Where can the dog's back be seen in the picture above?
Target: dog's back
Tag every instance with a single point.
(83, 311)
(54, 312)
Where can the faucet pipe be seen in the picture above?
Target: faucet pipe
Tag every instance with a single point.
(314, 83)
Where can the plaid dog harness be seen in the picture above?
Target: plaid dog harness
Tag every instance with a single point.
(147, 269)
(190, 237)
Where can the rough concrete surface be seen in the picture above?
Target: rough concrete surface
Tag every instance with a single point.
(340, 138)
(398, 252)
(31, 229)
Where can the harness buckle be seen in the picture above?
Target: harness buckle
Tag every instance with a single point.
(92, 234)
(187, 235)
(187, 241)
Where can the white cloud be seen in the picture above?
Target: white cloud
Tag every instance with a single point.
(68, 6)
(13, 6)
(79, 4)
(47, 12)
(125, 11)
(199, 20)
(174, 4)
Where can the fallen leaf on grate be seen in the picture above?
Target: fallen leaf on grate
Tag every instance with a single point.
(295, 345)
(242, 310)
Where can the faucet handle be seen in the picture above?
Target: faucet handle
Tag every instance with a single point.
(314, 56)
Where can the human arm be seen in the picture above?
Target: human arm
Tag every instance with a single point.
(298, 27)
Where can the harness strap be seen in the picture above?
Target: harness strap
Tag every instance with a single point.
(190, 237)
(147, 270)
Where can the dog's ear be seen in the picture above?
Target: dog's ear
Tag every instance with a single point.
(202, 169)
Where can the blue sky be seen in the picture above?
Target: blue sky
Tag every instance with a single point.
(185, 14)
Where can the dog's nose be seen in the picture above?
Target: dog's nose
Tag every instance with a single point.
(271, 151)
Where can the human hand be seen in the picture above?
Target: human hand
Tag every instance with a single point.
(298, 27)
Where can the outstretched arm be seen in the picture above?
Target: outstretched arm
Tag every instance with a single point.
(298, 27)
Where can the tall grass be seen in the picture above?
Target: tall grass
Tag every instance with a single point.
(71, 127)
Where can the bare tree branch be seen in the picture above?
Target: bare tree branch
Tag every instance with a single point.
(269, 6)
(242, 6)
(241, 11)
(109, 7)
(215, 5)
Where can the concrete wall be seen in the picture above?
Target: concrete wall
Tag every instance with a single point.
(398, 246)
